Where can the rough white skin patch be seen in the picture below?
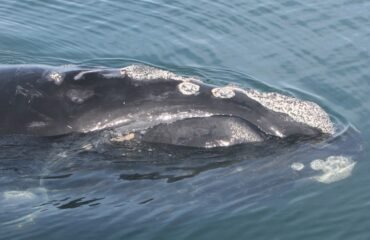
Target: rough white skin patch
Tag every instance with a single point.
(188, 88)
(224, 92)
(297, 166)
(144, 73)
(334, 168)
(56, 77)
(301, 111)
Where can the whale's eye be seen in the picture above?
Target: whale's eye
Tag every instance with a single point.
(79, 96)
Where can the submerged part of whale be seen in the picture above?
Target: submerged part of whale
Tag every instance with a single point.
(158, 105)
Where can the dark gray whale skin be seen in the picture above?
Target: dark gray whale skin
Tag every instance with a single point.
(49, 101)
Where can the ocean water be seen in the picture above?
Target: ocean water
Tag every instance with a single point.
(78, 187)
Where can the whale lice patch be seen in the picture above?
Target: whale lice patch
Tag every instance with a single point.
(224, 92)
(334, 168)
(56, 77)
(188, 88)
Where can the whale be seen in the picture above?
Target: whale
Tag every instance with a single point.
(145, 103)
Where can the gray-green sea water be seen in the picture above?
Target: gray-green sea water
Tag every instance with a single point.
(75, 188)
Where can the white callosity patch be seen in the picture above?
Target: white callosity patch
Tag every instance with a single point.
(144, 73)
(56, 77)
(334, 168)
(297, 166)
(224, 92)
(301, 111)
(188, 88)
